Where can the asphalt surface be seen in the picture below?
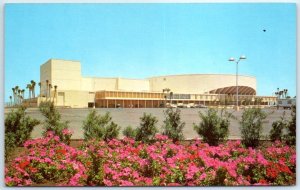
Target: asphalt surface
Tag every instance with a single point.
(130, 116)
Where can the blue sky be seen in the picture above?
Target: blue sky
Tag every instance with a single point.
(143, 40)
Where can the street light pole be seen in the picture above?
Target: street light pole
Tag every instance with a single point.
(237, 86)
(237, 70)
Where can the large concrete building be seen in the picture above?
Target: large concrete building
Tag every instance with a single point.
(62, 82)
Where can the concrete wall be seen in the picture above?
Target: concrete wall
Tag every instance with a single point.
(133, 85)
(198, 83)
(105, 84)
(66, 74)
(45, 74)
(75, 99)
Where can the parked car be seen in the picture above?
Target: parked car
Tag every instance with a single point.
(199, 106)
(286, 103)
(171, 105)
(182, 106)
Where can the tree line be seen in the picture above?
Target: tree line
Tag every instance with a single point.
(18, 94)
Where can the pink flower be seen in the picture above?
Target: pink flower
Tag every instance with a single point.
(66, 132)
(47, 160)
(293, 159)
(56, 138)
(174, 184)
(92, 148)
(28, 182)
(8, 180)
(202, 176)
(191, 171)
(261, 159)
(249, 160)
(232, 172)
(107, 182)
(148, 181)
(127, 169)
(126, 183)
(135, 174)
(126, 162)
(161, 137)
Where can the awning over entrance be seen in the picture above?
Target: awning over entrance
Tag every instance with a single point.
(243, 90)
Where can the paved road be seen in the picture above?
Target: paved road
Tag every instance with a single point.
(130, 116)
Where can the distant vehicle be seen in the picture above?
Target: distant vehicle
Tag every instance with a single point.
(286, 103)
(171, 105)
(199, 106)
(182, 106)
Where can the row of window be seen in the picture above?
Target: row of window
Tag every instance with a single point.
(142, 95)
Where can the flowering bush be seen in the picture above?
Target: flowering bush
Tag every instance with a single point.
(163, 163)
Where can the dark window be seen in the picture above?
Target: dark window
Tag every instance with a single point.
(91, 104)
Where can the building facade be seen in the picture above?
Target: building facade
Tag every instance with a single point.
(62, 83)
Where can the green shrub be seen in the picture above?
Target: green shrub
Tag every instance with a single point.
(129, 132)
(290, 137)
(172, 125)
(10, 144)
(276, 132)
(53, 121)
(100, 127)
(213, 128)
(251, 126)
(18, 128)
(147, 129)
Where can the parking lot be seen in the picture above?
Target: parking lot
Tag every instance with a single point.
(130, 116)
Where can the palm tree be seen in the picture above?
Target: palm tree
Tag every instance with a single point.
(21, 98)
(277, 93)
(29, 88)
(55, 91)
(47, 83)
(10, 97)
(23, 91)
(17, 97)
(50, 86)
(40, 85)
(33, 83)
(285, 92)
(14, 94)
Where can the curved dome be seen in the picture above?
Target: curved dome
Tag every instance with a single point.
(243, 90)
(204, 83)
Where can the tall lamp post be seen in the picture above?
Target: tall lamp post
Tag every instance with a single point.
(237, 70)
